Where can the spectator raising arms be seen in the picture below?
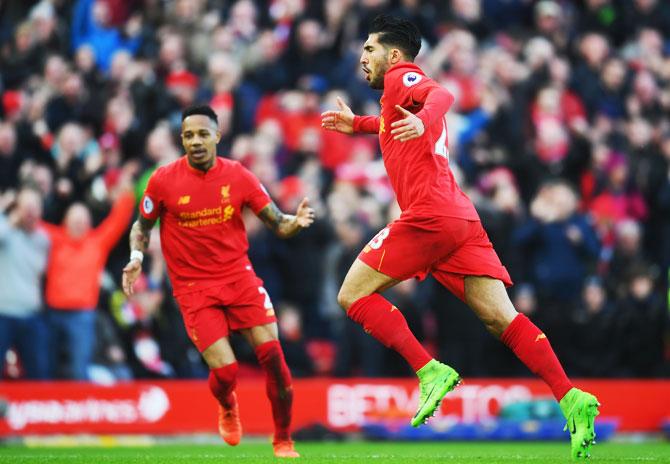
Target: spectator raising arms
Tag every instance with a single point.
(24, 249)
(78, 256)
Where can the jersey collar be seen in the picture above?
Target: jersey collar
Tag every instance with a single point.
(215, 168)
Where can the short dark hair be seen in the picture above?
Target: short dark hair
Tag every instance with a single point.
(397, 32)
(204, 110)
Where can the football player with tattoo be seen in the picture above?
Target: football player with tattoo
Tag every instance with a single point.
(199, 200)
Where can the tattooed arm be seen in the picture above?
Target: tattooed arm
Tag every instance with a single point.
(287, 225)
(139, 240)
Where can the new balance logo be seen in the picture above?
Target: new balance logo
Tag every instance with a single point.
(185, 200)
(540, 337)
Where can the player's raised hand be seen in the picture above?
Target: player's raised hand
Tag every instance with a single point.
(341, 120)
(304, 215)
(130, 274)
(408, 128)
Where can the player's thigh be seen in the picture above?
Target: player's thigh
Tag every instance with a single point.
(248, 305)
(474, 273)
(219, 353)
(403, 249)
(362, 280)
(260, 334)
(204, 317)
(406, 247)
(474, 257)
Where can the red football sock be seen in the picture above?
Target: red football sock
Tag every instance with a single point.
(222, 381)
(386, 323)
(532, 347)
(277, 386)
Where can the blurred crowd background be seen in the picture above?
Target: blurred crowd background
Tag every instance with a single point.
(560, 135)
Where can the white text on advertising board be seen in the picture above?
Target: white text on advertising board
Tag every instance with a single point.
(355, 404)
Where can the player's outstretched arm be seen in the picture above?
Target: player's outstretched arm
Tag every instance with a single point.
(436, 102)
(287, 225)
(408, 128)
(341, 120)
(139, 240)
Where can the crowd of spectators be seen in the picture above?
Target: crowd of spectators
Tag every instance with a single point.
(560, 134)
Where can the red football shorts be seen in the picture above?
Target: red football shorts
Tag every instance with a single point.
(214, 312)
(448, 248)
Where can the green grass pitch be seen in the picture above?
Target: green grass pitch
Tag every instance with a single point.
(354, 452)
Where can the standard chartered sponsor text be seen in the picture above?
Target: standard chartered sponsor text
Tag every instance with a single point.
(205, 217)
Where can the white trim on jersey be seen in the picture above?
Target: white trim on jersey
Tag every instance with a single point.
(441, 144)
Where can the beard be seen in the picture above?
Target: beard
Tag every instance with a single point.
(377, 82)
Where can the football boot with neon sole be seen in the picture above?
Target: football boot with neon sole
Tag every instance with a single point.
(435, 381)
(580, 410)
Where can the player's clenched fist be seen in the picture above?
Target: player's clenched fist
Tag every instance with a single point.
(411, 127)
(130, 274)
(340, 121)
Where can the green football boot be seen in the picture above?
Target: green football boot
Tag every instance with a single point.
(580, 409)
(435, 381)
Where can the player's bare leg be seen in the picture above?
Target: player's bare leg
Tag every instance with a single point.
(265, 340)
(223, 367)
(360, 298)
(219, 354)
(489, 300)
(362, 280)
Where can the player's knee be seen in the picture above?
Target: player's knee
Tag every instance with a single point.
(345, 298)
(496, 323)
(216, 355)
(215, 360)
(493, 326)
(227, 374)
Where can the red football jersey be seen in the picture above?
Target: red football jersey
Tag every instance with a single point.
(202, 234)
(419, 168)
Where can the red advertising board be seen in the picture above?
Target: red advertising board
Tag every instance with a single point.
(168, 407)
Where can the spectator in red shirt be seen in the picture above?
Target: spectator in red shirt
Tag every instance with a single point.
(78, 256)
(618, 201)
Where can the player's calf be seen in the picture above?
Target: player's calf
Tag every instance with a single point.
(222, 381)
(278, 387)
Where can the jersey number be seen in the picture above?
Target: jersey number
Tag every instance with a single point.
(376, 242)
(267, 304)
(441, 144)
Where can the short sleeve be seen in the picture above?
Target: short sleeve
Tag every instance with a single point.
(403, 84)
(255, 195)
(420, 92)
(152, 200)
